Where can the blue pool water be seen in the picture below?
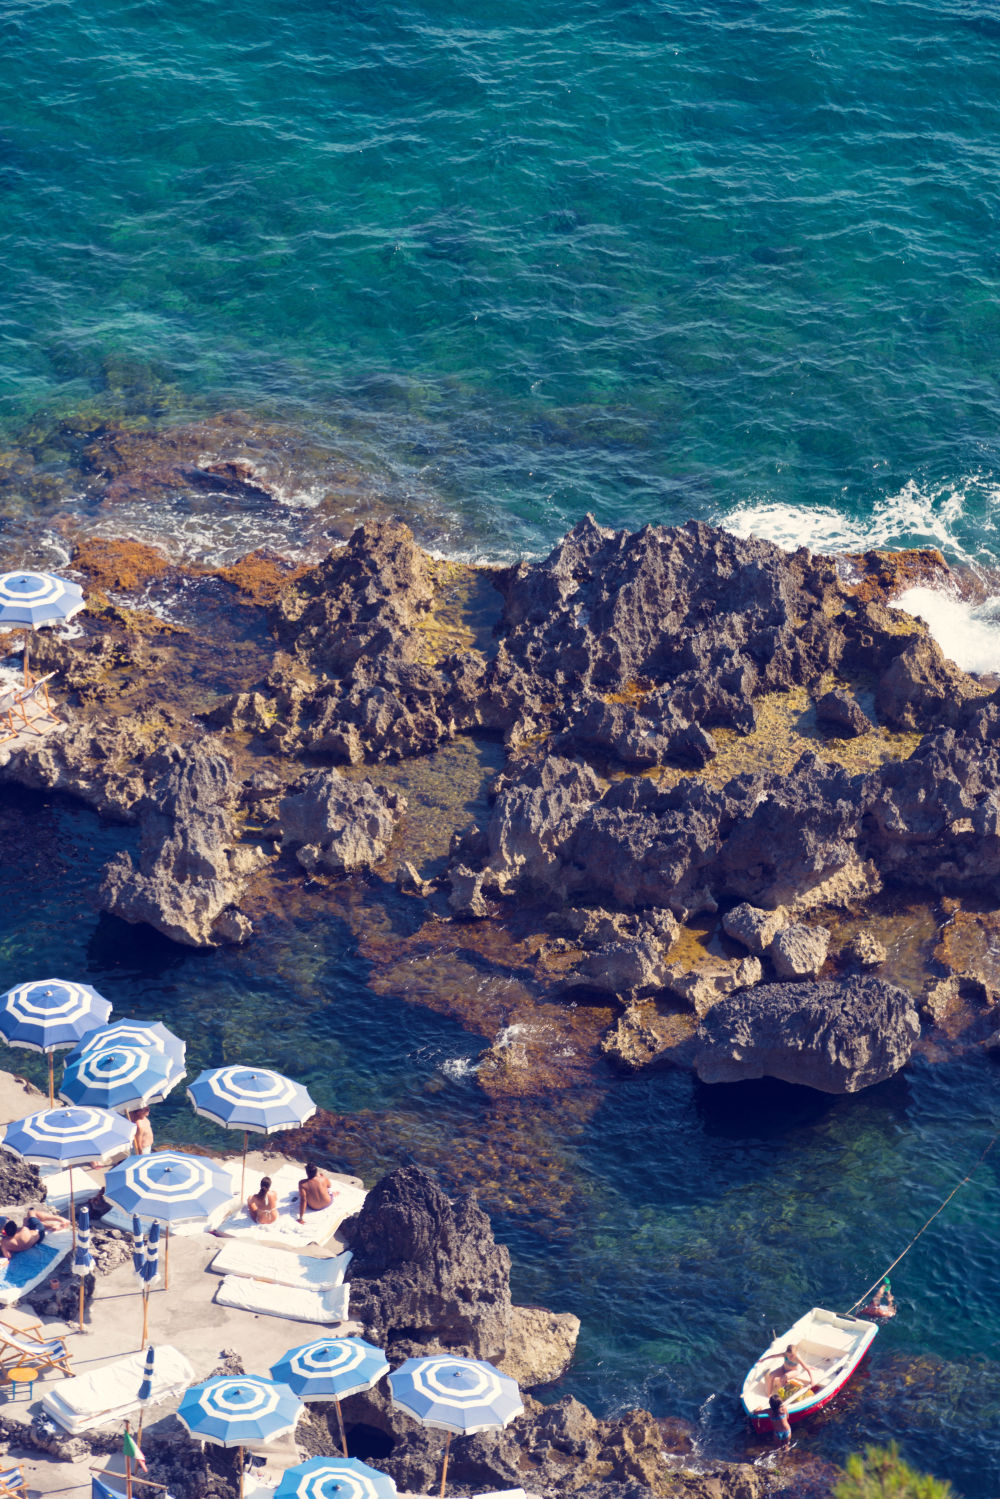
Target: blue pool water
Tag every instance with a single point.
(648, 258)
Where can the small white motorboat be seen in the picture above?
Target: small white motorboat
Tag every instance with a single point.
(829, 1345)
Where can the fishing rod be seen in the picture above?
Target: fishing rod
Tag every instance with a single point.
(885, 1275)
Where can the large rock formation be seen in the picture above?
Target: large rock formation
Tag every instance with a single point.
(837, 1037)
(191, 872)
(337, 825)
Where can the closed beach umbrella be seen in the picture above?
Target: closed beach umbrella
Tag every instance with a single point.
(36, 599)
(334, 1478)
(146, 1387)
(252, 1099)
(68, 1137)
(50, 1014)
(83, 1260)
(331, 1369)
(150, 1034)
(119, 1077)
(149, 1274)
(138, 1249)
(235, 1409)
(171, 1187)
(458, 1395)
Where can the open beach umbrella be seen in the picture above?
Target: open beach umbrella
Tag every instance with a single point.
(233, 1410)
(334, 1478)
(458, 1395)
(119, 1078)
(36, 599)
(83, 1260)
(50, 1014)
(171, 1187)
(68, 1137)
(331, 1369)
(252, 1099)
(151, 1034)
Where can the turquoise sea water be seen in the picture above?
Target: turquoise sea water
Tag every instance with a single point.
(648, 258)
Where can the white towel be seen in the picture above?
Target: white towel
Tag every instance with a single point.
(263, 1262)
(318, 1226)
(111, 1393)
(292, 1302)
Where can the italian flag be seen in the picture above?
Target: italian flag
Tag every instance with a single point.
(132, 1449)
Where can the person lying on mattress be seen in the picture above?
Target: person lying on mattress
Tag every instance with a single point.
(314, 1191)
(14, 1240)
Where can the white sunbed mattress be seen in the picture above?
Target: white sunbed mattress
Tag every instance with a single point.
(291, 1302)
(284, 1268)
(112, 1392)
(318, 1226)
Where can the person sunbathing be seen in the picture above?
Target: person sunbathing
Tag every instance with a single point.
(14, 1240)
(786, 1372)
(314, 1191)
(263, 1204)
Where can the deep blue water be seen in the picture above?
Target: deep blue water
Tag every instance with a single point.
(654, 260)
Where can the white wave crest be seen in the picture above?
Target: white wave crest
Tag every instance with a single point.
(968, 632)
(959, 519)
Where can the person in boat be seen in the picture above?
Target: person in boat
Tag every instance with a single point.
(780, 1423)
(262, 1205)
(786, 1372)
(314, 1191)
(882, 1303)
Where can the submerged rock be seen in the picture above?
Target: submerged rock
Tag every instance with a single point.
(837, 1037)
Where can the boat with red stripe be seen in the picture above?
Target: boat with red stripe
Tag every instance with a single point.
(830, 1346)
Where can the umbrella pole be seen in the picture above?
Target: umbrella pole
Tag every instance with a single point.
(340, 1423)
(72, 1209)
(52, 1080)
(145, 1319)
(243, 1173)
(241, 1473)
(128, 1476)
(444, 1470)
(81, 1303)
(27, 679)
(166, 1259)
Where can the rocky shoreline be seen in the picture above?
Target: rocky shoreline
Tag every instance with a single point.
(714, 769)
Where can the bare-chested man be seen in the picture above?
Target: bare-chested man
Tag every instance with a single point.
(314, 1191)
(143, 1142)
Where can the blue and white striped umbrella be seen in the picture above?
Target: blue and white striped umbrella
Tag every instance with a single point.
(151, 1266)
(119, 1078)
(169, 1186)
(234, 1409)
(457, 1395)
(334, 1478)
(34, 599)
(138, 1249)
(50, 1013)
(331, 1368)
(250, 1098)
(146, 1388)
(68, 1137)
(151, 1034)
(83, 1260)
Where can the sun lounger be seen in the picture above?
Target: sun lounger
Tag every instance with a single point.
(292, 1302)
(112, 1392)
(30, 1346)
(57, 1189)
(20, 1275)
(280, 1266)
(318, 1226)
(12, 1483)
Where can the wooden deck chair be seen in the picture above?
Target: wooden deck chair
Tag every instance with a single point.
(32, 704)
(32, 1347)
(7, 701)
(12, 1483)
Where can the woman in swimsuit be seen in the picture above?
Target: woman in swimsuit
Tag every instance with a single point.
(263, 1205)
(786, 1371)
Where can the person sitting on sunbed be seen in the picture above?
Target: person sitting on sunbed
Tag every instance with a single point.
(314, 1191)
(785, 1373)
(263, 1204)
